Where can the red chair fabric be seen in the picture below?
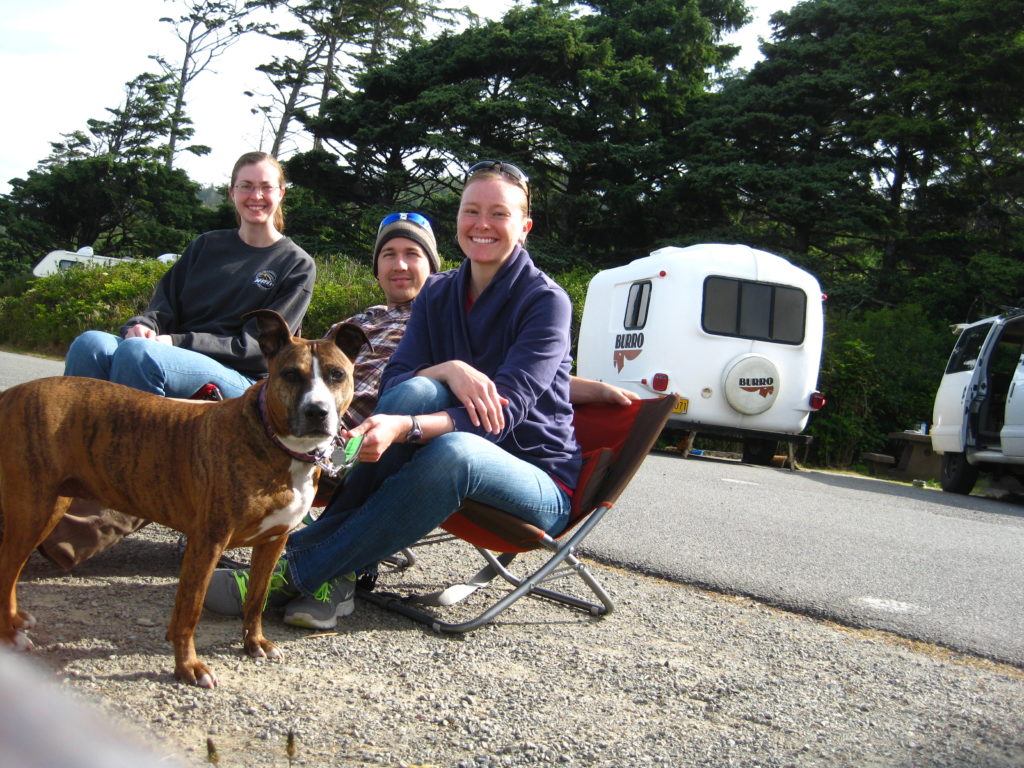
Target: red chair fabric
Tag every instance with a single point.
(615, 441)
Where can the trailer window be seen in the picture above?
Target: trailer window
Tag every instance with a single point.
(637, 304)
(753, 310)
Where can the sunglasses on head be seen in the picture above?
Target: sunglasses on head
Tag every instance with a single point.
(415, 218)
(514, 172)
(508, 169)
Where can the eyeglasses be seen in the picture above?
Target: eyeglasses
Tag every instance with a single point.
(514, 172)
(247, 189)
(415, 218)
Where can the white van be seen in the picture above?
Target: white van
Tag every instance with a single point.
(978, 416)
(58, 261)
(735, 332)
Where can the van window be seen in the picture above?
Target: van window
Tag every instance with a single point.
(968, 349)
(753, 310)
(637, 304)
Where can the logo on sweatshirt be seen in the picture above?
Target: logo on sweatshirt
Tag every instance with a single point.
(265, 279)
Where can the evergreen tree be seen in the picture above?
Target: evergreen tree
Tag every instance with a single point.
(137, 208)
(137, 130)
(334, 41)
(879, 140)
(206, 29)
(586, 102)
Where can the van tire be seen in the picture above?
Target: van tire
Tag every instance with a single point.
(758, 451)
(958, 476)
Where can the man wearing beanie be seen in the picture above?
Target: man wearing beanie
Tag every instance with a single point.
(404, 254)
(410, 226)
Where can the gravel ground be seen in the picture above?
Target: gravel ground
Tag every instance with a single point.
(676, 676)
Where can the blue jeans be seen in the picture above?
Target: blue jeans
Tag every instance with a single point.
(392, 503)
(150, 366)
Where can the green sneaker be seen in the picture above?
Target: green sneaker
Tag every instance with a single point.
(228, 588)
(333, 600)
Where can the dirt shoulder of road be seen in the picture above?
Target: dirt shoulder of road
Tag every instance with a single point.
(675, 676)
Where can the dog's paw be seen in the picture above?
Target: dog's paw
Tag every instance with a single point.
(24, 620)
(20, 643)
(207, 680)
(197, 674)
(263, 649)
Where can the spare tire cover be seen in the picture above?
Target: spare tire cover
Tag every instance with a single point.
(751, 384)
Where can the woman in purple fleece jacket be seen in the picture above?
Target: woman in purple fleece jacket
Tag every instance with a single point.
(474, 405)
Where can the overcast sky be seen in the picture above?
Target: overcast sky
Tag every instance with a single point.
(65, 61)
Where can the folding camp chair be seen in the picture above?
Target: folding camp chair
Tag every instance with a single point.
(615, 440)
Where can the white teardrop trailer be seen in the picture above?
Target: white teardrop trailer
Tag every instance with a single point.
(735, 332)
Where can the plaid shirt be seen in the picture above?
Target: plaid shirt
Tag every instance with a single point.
(384, 328)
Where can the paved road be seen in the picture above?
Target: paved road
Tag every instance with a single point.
(15, 369)
(926, 564)
(931, 566)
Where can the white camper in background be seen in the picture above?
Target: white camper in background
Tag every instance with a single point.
(735, 332)
(58, 261)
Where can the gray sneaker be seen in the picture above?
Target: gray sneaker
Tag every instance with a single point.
(333, 600)
(229, 586)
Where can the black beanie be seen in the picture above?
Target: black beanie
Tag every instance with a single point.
(407, 228)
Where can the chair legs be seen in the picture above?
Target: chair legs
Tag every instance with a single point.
(562, 563)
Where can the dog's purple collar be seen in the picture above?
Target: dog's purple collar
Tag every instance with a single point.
(322, 458)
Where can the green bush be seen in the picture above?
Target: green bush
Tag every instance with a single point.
(53, 310)
(343, 288)
(850, 380)
(575, 282)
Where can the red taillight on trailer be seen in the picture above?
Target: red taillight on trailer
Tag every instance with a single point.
(817, 401)
(660, 382)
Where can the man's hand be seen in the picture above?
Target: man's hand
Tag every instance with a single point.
(379, 432)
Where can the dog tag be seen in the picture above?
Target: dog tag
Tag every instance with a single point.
(351, 450)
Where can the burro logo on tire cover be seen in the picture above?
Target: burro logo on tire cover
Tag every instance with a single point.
(752, 383)
(628, 346)
(763, 386)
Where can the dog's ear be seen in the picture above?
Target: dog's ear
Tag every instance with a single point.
(349, 338)
(274, 333)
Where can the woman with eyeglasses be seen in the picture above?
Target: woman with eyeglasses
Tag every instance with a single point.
(474, 404)
(192, 333)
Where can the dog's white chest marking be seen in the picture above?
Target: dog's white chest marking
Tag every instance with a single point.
(303, 492)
